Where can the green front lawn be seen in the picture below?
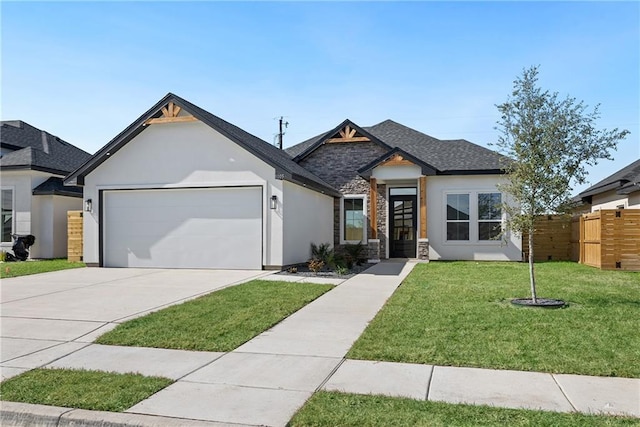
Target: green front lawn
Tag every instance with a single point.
(338, 409)
(459, 314)
(93, 390)
(220, 321)
(24, 268)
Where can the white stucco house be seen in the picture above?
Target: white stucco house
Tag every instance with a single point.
(620, 190)
(34, 199)
(183, 188)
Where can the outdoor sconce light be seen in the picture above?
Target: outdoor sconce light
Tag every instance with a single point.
(88, 205)
(274, 201)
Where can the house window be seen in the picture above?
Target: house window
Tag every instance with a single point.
(457, 216)
(353, 219)
(489, 216)
(6, 208)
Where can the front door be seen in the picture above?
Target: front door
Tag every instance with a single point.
(403, 223)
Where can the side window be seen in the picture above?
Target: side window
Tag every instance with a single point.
(489, 216)
(457, 216)
(7, 215)
(353, 219)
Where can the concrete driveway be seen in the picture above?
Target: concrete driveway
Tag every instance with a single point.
(48, 316)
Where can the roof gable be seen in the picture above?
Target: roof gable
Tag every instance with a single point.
(172, 108)
(396, 157)
(345, 132)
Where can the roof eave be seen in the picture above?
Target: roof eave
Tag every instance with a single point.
(602, 189)
(305, 182)
(57, 193)
(35, 168)
(473, 172)
(366, 171)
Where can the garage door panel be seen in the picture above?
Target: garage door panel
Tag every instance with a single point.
(184, 228)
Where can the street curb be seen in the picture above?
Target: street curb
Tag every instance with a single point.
(14, 414)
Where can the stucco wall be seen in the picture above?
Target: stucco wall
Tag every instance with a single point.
(440, 249)
(26, 217)
(611, 200)
(308, 218)
(183, 155)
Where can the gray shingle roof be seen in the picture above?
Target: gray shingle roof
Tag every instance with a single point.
(54, 186)
(626, 180)
(446, 156)
(37, 149)
(456, 155)
(285, 167)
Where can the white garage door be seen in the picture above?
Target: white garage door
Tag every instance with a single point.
(183, 228)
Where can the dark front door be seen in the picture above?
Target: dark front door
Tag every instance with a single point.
(402, 214)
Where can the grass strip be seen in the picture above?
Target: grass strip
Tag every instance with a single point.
(15, 269)
(220, 321)
(459, 314)
(340, 409)
(93, 390)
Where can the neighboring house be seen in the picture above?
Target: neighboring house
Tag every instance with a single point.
(620, 190)
(34, 199)
(181, 187)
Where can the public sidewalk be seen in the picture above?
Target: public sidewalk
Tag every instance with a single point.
(266, 380)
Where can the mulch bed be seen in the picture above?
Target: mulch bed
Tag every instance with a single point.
(303, 271)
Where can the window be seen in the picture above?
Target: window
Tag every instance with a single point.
(489, 216)
(457, 217)
(7, 214)
(353, 219)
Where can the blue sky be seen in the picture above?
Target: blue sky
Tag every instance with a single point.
(86, 70)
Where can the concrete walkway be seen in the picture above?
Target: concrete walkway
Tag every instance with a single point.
(267, 379)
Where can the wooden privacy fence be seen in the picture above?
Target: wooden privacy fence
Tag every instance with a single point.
(553, 239)
(610, 239)
(74, 235)
(607, 239)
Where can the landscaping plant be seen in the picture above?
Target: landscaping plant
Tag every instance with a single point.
(548, 141)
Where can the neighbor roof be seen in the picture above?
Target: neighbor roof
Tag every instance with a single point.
(286, 168)
(624, 181)
(55, 187)
(445, 156)
(35, 149)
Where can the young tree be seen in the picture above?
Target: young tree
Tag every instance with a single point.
(549, 141)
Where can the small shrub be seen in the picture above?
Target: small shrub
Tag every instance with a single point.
(3, 256)
(355, 253)
(342, 270)
(315, 265)
(292, 270)
(322, 252)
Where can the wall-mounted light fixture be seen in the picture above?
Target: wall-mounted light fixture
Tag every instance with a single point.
(88, 205)
(274, 201)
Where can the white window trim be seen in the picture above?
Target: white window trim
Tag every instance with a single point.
(473, 219)
(364, 215)
(13, 212)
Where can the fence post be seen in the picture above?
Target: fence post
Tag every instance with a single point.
(581, 257)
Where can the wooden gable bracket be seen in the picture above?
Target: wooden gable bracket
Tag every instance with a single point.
(170, 115)
(347, 134)
(396, 160)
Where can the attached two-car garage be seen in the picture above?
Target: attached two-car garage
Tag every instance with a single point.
(183, 228)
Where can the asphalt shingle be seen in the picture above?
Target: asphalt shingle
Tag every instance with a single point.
(37, 149)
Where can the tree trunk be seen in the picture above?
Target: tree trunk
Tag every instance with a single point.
(532, 275)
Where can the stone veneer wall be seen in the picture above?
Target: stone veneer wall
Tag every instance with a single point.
(383, 208)
(338, 165)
